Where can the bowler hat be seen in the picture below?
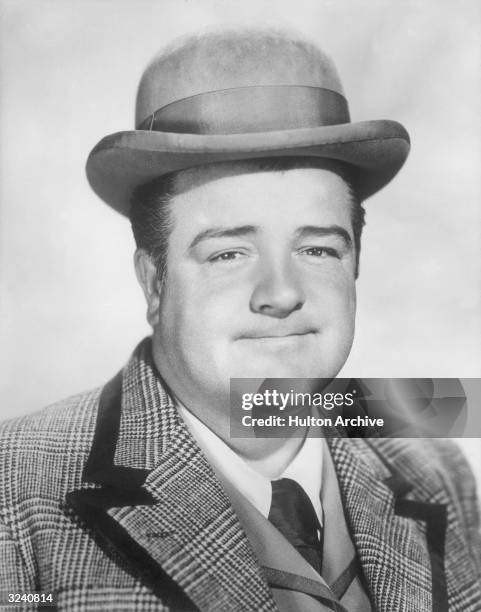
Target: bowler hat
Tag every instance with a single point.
(237, 95)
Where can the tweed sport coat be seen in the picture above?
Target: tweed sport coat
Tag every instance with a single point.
(106, 499)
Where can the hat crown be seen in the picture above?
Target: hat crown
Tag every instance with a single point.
(228, 60)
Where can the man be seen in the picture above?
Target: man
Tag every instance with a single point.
(243, 182)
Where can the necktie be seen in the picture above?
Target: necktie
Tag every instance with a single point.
(293, 514)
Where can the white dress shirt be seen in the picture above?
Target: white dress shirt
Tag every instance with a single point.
(305, 468)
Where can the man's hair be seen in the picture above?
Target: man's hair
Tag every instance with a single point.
(152, 222)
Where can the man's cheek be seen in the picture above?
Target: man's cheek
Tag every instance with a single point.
(330, 301)
(221, 308)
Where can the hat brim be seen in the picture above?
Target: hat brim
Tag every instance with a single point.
(122, 161)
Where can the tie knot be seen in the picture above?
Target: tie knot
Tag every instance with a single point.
(293, 514)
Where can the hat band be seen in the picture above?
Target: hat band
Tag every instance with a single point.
(244, 110)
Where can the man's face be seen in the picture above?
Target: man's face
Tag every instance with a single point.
(260, 280)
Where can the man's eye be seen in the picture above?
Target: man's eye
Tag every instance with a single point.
(226, 256)
(320, 252)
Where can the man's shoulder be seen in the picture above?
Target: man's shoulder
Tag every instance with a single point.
(72, 414)
(42, 448)
(397, 448)
(418, 455)
(432, 463)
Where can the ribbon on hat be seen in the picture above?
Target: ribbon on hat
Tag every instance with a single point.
(243, 110)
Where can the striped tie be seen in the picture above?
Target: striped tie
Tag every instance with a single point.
(293, 514)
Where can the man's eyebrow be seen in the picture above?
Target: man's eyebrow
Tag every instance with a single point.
(223, 232)
(329, 230)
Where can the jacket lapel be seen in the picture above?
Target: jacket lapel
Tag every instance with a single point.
(157, 504)
(398, 524)
(152, 501)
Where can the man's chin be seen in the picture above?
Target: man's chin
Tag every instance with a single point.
(282, 370)
(298, 362)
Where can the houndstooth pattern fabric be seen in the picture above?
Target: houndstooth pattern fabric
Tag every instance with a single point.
(392, 549)
(45, 546)
(190, 529)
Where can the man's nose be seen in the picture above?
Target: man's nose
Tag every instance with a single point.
(278, 291)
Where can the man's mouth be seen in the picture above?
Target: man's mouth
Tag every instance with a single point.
(275, 335)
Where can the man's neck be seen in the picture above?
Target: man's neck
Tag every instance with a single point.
(268, 456)
(273, 464)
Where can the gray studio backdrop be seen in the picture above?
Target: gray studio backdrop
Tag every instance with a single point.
(71, 311)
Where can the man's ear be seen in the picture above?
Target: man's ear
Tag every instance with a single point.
(146, 272)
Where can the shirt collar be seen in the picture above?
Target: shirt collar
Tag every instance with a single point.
(305, 468)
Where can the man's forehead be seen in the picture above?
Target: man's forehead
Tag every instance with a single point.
(279, 197)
